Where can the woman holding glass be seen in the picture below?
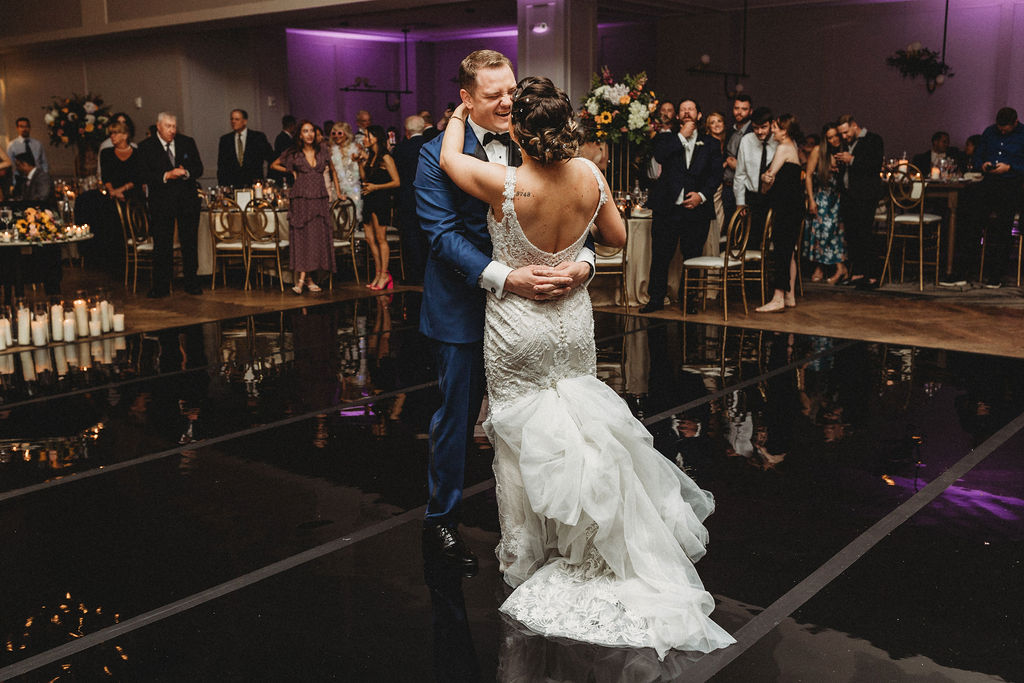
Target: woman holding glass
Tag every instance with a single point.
(379, 175)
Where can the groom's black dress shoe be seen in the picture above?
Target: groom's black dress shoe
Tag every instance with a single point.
(651, 306)
(447, 542)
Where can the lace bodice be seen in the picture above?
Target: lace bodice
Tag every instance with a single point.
(530, 345)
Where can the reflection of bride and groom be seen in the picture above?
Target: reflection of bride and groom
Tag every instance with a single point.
(599, 531)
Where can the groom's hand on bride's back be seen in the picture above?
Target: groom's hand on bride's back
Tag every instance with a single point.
(542, 282)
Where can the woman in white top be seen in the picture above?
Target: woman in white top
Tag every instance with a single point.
(346, 169)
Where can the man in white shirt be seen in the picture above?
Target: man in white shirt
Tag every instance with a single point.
(755, 155)
(24, 142)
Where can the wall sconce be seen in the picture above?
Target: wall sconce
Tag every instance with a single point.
(540, 27)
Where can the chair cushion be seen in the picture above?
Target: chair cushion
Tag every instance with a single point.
(267, 246)
(609, 260)
(342, 243)
(229, 246)
(708, 262)
(752, 255)
(145, 246)
(912, 218)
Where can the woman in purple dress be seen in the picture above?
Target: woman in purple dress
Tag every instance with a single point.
(311, 244)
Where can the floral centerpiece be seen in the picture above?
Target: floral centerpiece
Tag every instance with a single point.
(38, 225)
(616, 112)
(78, 121)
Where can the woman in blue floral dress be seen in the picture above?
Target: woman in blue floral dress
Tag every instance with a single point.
(824, 244)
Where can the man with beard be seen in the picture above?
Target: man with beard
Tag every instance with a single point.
(860, 188)
(741, 108)
(753, 158)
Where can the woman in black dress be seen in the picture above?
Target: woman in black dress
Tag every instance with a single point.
(786, 199)
(122, 182)
(379, 175)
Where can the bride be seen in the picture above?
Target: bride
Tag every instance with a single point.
(599, 532)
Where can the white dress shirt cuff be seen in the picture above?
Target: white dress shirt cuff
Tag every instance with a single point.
(589, 257)
(493, 278)
(702, 197)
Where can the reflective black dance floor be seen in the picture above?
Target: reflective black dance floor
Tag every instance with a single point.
(242, 501)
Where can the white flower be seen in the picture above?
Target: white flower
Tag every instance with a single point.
(614, 93)
(638, 115)
(72, 116)
(89, 118)
(593, 107)
(49, 118)
(699, 143)
(90, 107)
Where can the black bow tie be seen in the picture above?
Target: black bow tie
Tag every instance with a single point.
(503, 138)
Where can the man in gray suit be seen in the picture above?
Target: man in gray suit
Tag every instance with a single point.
(36, 186)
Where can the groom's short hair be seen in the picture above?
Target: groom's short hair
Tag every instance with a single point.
(481, 59)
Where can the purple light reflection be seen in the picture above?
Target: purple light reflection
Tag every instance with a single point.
(967, 507)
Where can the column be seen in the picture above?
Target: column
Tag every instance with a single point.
(558, 39)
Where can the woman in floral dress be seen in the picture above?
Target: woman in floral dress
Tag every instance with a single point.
(343, 157)
(823, 238)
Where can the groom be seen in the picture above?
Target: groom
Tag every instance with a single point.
(459, 270)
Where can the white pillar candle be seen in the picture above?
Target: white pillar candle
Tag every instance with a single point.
(3, 342)
(61, 361)
(38, 333)
(5, 331)
(935, 173)
(94, 314)
(258, 191)
(69, 329)
(94, 328)
(24, 329)
(57, 322)
(28, 370)
(81, 318)
(7, 364)
(106, 310)
(118, 320)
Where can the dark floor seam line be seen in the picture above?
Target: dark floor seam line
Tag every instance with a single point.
(60, 652)
(204, 443)
(136, 380)
(725, 391)
(751, 632)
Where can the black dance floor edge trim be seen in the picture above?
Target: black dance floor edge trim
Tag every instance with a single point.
(751, 632)
(73, 647)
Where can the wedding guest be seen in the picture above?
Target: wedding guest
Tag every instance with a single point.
(970, 155)
(806, 147)
(860, 188)
(666, 115)
(741, 111)
(363, 121)
(346, 169)
(328, 127)
(36, 187)
(1001, 154)
(171, 168)
(429, 131)
(940, 150)
(24, 142)
(681, 199)
(449, 110)
(414, 240)
(44, 262)
(5, 163)
(242, 153)
(284, 140)
(969, 207)
(379, 175)
(753, 156)
(126, 121)
(662, 124)
(311, 242)
(123, 179)
(824, 245)
(714, 126)
(786, 198)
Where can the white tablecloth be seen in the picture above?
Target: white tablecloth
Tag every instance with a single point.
(604, 290)
(206, 237)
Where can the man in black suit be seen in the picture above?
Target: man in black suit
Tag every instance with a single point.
(36, 186)
(242, 153)
(682, 199)
(429, 131)
(860, 188)
(171, 168)
(284, 140)
(925, 161)
(414, 240)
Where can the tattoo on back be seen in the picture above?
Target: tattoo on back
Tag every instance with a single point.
(521, 193)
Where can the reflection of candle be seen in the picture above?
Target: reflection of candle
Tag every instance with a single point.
(108, 350)
(83, 355)
(96, 351)
(106, 309)
(120, 343)
(72, 355)
(69, 329)
(118, 320)
(28, 370)
(42, 361)
(60, 360)
(7, 364)
(5, 331)
(81, 318)
(94, 328)
(258, 190)
(24, 318)
(38, 333)
(57, 322)
(935, 172)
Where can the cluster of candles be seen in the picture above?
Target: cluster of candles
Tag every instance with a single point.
(62, 358)
(56, 323)
(70, 232)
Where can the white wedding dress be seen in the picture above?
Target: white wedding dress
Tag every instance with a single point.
(599, 531)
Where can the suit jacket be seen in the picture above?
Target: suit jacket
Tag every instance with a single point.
(703, 174)
(39, 189)
(167, 196)
(430, 132)
(923, 161)
(257, 152)
(407, 157)
(861, 180)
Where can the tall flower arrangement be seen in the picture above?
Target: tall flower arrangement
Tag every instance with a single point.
(616, 112)
(77, 121)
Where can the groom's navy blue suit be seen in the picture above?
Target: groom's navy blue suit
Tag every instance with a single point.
(453, 315)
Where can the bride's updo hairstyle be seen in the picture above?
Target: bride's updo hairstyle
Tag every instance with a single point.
(543, 121)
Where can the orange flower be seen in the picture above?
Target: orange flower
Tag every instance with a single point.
(624, 99)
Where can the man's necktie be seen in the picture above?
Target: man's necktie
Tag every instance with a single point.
(28, 150)
(239, 148)
(764, 163)
(503, 138)
(170, 154)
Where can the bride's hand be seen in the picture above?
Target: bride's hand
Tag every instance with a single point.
(460, 111)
